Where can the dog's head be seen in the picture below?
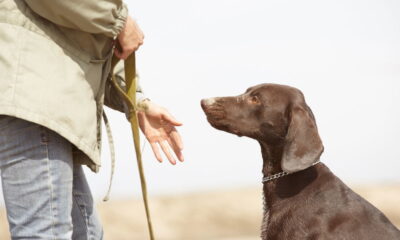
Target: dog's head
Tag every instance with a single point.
(276, 115)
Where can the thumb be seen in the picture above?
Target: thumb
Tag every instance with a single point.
(120, 54)
(169, 118)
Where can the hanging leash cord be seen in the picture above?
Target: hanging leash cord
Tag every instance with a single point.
(129, 96)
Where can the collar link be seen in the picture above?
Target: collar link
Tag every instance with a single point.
(279, 175)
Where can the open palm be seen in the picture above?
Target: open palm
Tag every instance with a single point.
(158, 125)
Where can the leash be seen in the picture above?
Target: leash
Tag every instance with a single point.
(129, 95)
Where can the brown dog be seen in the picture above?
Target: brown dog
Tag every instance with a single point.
(303, 198)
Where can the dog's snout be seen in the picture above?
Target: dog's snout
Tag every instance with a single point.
(207, 102)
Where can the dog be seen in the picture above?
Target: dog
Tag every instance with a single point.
(303, 199)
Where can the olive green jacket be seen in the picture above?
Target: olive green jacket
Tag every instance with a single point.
(54, 67)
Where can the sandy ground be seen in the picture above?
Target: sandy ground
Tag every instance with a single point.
(219, 215)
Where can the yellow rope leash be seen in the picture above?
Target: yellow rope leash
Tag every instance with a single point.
(130, 98)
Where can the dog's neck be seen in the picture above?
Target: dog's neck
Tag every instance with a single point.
(282, 188)
(272, 156)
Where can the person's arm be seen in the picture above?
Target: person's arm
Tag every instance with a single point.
(106, 17)
(156, 123)
(112, 98)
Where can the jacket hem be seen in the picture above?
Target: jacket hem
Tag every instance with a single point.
(25, 114)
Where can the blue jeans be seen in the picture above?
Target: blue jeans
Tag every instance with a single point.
(45, 193)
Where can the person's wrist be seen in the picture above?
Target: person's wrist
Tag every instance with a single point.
(127, 24)
(143, 105)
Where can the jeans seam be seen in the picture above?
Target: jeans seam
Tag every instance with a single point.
(44, 135)
(83, 215)
(51, 189)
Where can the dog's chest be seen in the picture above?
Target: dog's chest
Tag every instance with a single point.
(280, 223)
(264, 224)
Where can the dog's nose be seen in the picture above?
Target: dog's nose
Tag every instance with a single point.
(207, 102)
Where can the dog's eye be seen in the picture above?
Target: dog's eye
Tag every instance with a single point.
(254, 100)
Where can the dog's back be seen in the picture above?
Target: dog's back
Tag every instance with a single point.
(315, 204)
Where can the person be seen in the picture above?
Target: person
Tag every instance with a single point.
(54, 81)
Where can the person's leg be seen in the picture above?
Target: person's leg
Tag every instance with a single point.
(37, 176)
(85, 220)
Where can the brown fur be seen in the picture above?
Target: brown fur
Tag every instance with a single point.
(310, 203)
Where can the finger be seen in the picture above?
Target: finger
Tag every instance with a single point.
(176, 138)
(169, 118)
(125, 54)
(176, 149)
(117, 53)
(140, 43)
(156, 151)
(121, 54)
(167, 153)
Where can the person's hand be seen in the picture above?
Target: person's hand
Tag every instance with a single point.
(130, 38)
(158, 125)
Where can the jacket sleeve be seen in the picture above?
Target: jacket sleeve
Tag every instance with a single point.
(93, 16)
(112, 98)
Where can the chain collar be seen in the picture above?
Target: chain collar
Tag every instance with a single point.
(279, 175)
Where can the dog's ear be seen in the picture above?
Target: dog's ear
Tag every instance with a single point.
(303, 146)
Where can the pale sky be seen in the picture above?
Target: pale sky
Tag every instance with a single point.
(344, 55)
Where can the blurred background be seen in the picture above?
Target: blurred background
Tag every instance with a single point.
(345, 57)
